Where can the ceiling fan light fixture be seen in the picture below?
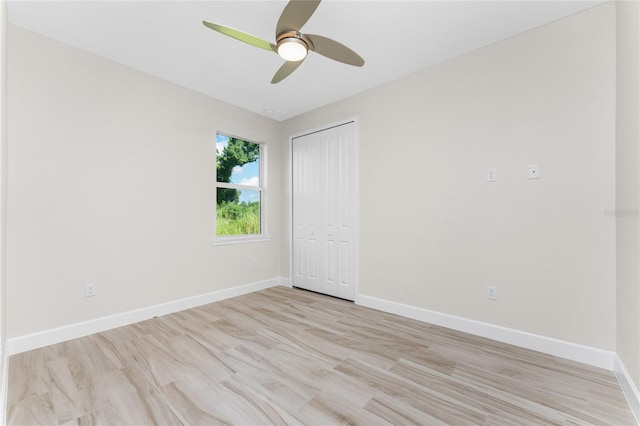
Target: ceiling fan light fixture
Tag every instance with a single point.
(292, 49)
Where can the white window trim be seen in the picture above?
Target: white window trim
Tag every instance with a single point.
(262, 189)
(239, 239)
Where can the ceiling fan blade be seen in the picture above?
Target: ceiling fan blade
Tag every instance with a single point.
(334, 50)
(285, 70)
(295, 14)
(242, 36)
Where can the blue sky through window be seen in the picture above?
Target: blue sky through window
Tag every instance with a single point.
(249, 174)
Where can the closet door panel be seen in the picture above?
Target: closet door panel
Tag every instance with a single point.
(323, 190)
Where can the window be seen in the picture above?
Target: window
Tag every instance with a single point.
(239, 188)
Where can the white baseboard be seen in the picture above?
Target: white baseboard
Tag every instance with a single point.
(573, 351)
(629, 388)
(52, 336)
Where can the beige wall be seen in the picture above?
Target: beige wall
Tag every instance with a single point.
(628, 185)
(434, 234)
(111, 181)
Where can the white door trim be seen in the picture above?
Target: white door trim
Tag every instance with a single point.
(356, 165)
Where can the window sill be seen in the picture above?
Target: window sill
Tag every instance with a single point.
(223, 241)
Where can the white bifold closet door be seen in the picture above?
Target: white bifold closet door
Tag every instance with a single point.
(324, 211)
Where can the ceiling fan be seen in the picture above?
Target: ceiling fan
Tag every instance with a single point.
(291, 45)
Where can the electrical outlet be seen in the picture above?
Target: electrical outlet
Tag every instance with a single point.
(89, 290)
(492, 293)
(491, 175)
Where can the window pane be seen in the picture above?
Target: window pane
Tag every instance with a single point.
(237, 161)
(238, 213)
(249, 174)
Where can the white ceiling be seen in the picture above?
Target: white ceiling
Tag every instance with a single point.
(396, 38)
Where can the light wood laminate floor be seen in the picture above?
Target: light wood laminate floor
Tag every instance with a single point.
(286, 356)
